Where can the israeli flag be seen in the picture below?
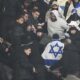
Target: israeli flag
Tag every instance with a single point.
(53, 52)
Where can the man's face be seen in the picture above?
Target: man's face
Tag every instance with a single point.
(20, 20)
(35, 14)
(27, 51)
(52, 17)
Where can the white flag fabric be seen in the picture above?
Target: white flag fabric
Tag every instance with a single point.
(53, 52)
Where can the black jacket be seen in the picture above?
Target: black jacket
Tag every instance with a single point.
(22, 65)
(71, 59)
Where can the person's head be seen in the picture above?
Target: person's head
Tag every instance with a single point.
(73, 31)
(20, 20)
(35, 13)
(55, 36)
(52, 17)
(25, 16)
(27, 51)
(54, 5)
(74, 28)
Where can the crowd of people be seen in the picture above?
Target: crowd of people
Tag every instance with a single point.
(39, 40)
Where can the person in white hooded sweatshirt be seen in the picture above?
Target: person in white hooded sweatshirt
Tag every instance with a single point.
(55, 24)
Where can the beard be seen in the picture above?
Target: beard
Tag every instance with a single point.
(53, 19)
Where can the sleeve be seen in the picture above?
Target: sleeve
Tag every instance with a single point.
(65, 25)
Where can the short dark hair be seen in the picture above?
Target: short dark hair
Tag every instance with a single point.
(35, 10)
(55, 36)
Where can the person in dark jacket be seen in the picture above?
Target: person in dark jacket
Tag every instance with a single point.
(11, 10)
(28, 63)
(34, 18)
(22, 67)
(16, 31)
(71, 54)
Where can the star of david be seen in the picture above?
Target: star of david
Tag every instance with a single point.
(56, 49)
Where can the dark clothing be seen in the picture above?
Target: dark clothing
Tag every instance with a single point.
(71, 59)
(10, 11)
(34, 4)
(15, 33)
(32, 21)
(71, 56)
(24, 64)
(43, 7)
(7, 23)
(73, 17)
(4, 56)
(12, 8)
(5, 72)
(76, 39)
(1, 14)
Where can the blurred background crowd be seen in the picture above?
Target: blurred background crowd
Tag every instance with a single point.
(26, 27)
